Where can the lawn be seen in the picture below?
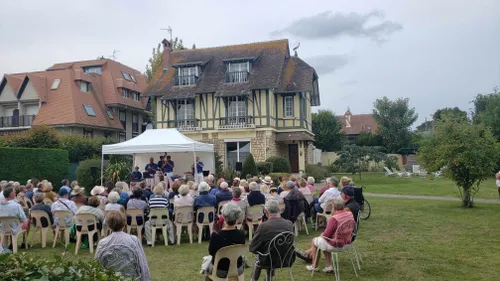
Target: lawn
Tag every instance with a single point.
(379, 183)
(403, 240)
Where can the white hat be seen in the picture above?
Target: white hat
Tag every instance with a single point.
(97, 190)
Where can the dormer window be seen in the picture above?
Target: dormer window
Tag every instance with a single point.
(92, 69)
(84, 86)
(126, 76)
(187, 75)
(237, 72)
(137, 96)
(126, 93)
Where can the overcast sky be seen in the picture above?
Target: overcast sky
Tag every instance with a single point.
(437, 53)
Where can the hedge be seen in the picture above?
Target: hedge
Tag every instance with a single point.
(264, 168)
(280, 164)
(21, 164)
(318, 172)
(249, 167)
(84, 174)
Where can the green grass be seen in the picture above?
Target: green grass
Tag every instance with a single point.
(379, 183)
(403, 240)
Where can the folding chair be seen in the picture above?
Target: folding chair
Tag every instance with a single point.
(233, 253)
(61, 226)
(36, 217)
(133, 214)
(280, 254)
(86, 222)
(7, 232)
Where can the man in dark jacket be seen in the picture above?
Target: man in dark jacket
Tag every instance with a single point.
(348, 197)
(295, 202)
(255, 197)
(280, 255)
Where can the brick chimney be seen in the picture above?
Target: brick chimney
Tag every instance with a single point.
(167, 51)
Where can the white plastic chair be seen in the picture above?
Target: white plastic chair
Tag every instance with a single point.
(7, 232)
(344, 232)
(85, 220)
(105, 231)
(62, 227)
(158, 218)
(233, 253)
(327, 213)
(301, 222)
(184, 217)
(388, 172)
(37, 216)
(255, 212)
(206, 220)
(280, 253)
(133, 214)
(309, 197)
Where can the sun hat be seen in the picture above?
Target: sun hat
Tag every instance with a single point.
(97, 190)
(268, 180)
(77, 190)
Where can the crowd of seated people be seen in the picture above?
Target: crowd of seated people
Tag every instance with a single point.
(237, 195)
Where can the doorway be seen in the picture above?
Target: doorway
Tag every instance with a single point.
(293, 157)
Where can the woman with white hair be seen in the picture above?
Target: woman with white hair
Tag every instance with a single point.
(122, 189)
(228, 235)
(113, 199)
(183, 199)
(310, 184)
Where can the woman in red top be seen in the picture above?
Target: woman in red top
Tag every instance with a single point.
(332, 237)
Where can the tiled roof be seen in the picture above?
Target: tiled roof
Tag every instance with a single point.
(271, 67)
(65, 105)
(359, 123)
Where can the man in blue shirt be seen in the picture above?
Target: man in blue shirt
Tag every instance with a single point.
(151, 169)
(198, 175)
(161, 163)
(169, 168)
(136, 175)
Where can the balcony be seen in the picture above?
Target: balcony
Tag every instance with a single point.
(185, 125)
(186, 80)
(237, 122)
(237, 77)
(14, 121)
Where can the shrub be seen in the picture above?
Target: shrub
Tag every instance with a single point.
(318, 172)
(228, 174)
(84, 174)
(21, 164)
(219, 168)
(29, 267)
(264, 168)
(280, 164)
(275, 177)
(249, 167)
(117, 171)
(36, 137)
(80, 148)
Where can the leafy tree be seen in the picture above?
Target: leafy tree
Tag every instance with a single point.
(455, 112)
(219, 166)
(327, 130)
(394, 120)
(468, 152)
(487, 112)
(425, 126)
(249, 167)
(355, 159)
(369, 139)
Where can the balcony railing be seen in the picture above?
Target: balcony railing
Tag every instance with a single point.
(185, 124)
(14, 121)
(186, 80)
(237, 122)
(237, 77)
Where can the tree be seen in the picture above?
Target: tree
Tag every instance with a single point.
(327, 130)
(468, 153)
(394, 120)
(156, 60)
(426, 126)
(487, 112)
(369, 139)
(355, 159)
(249, 167)
(455, 112)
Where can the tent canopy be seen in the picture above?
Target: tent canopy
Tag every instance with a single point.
(157, 140)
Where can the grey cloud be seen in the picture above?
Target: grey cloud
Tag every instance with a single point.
(325, 64)
(348, 83)
(331, 25)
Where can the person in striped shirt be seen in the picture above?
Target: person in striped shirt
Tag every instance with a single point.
(159, 200)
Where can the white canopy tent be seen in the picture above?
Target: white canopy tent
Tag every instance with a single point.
(155, 142)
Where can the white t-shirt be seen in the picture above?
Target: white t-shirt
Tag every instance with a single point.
(498, 183)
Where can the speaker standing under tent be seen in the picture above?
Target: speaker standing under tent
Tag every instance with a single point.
(239, 166)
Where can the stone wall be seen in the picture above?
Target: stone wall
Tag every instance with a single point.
(264, 145)
(219, 146)
(309, 153)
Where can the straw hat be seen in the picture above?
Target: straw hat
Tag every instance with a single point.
(97, 190)
(77, 190)
(268, 180)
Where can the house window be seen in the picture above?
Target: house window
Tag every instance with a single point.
(126, 93)
(110, 114)
(288, 105)
(237, 110)
(237, 72)
(84, 86)
(133, 78)
(92, 69)
(123, 118)
(126, 76)
(135, 123)
(236, 152)
(55, 84)
(88, 133)
(89, 110)
(137, 96)
(122, 137)
(108, 135)
(187, 75)
(185, 113)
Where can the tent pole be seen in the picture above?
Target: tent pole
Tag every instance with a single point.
(102, 168)
(195, 174)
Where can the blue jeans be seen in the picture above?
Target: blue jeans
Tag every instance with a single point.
(317, 209)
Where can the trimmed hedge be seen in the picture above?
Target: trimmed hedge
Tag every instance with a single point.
(249, 167)
(21, 164)
(84, 174)
(280, 164)
(318, 172)
(264, 168)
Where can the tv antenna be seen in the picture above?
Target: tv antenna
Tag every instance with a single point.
(295, 49)
(169, 30)
(114, 56)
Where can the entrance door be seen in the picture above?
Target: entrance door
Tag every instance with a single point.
(293, 156)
